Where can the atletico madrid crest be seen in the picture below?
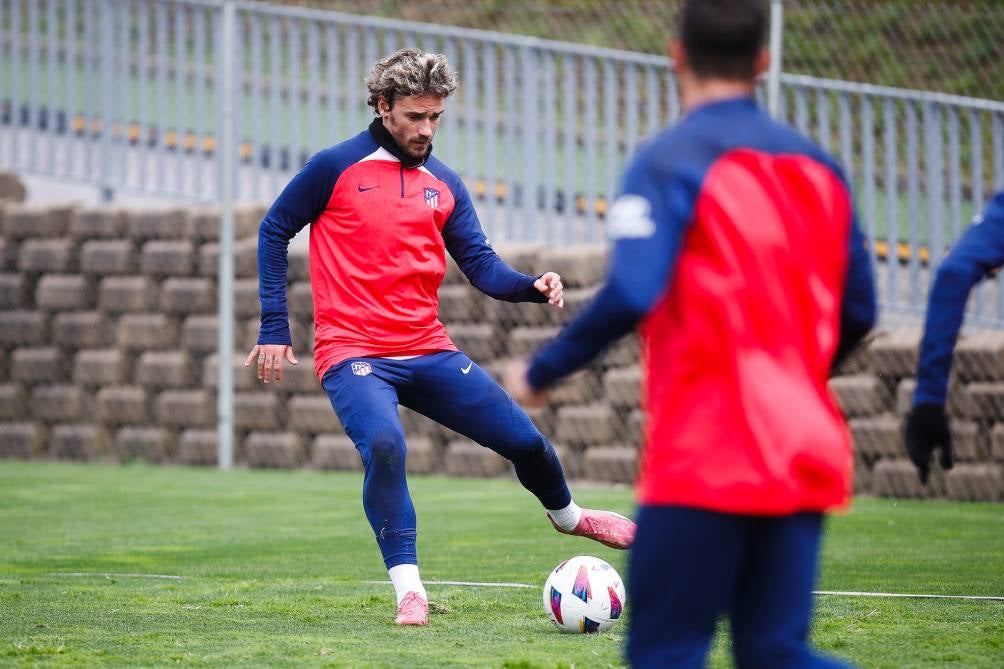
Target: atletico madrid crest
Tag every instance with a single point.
(432, 197)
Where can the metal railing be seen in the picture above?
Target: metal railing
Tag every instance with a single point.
(125, 95)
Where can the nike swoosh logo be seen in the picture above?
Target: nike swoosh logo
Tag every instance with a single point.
(363, 190)
(466, 369)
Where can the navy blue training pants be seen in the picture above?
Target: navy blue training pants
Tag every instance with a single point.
(453, 391)
(688, 566)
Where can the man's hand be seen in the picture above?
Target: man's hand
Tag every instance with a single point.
(926, 430)
(514, 381)
(270, 360)
(550, 285)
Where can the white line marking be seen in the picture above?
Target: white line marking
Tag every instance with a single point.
(907, 595)
(110, 575)
(471, 584)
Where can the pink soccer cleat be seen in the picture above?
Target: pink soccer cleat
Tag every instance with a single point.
(609, 528)
(413, 610)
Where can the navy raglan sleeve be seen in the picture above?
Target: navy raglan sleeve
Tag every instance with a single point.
(300, 203)
(646, 225)
(466, 242)
(979, 251)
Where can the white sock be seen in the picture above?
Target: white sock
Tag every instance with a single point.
(406, 579)
(566, 518)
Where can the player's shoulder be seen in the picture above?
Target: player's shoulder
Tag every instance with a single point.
(446, 174)
(345, 153)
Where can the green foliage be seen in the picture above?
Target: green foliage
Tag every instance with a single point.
(274, 568)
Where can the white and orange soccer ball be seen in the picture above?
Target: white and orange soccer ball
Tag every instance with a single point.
(583, 595)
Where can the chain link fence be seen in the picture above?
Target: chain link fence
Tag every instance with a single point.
(944, 46)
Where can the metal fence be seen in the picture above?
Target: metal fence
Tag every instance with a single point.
(126, 95)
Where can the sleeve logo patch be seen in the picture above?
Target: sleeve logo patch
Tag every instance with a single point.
(630, 218)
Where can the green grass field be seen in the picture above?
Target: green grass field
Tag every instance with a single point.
(273, 565)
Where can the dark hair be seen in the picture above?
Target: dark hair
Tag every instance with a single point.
(723, 37)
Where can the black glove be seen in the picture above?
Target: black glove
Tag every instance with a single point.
(926, 430)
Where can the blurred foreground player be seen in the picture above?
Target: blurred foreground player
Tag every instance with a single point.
(736, 251)
(384, 214)
(978, 252)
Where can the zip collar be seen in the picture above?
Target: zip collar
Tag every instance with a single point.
(383, 137)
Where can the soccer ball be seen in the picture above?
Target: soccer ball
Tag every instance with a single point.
(583, 595)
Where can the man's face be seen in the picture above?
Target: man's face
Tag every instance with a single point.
(413, 121)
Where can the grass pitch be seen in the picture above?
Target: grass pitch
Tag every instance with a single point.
(273, 564)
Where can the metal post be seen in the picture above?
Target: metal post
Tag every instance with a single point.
(225, 399)
(776, 43)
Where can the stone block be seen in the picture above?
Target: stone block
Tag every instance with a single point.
(21, 440)
(571, 461)
(21, 221)
(862, 477)
(64, 292)
(99, 222)
(543, 418)
(579, 266)
(245, 378)
(246, 304)
(153, 444)
(8, 251)
(12, 188)
(13, 402)
(617, 464)
(335, 452)
(586, 425)
(512, 315)
(453, 274)
(246, 257)
(198, 447)
(634, 428)
(258, 411)
(33, 366)
(575, 300)
(47, 256)
(274, 449)
(141, 332)
(465, 458)
(477, 340)
(200, 334)
(997, 443)
(980, 357)
(247, 219)
(150, 223)
(861, 395)
(163, 258)
(78, 442)
(987, 400)
(424, 456)
(978, 483)
(100, 367)
(858, 361)
(301, 301)
(895, 354)
(959, 405)
(458, 304)
(123, 294)
(878, 436)
(209, 259)
(122, 405)
(22, 327)
(203, 222)
(969, 442)
(582, 387)
(625, 352)
(897, 477)
(14, 292)
(417, 425)
(522, 257)
(185, 409)
(188, 296)
(525, 341)
(104, 257)
(623, 387)
(74, 330)
(312, 413)
(60, 403)
(300, 378)
(165, 369)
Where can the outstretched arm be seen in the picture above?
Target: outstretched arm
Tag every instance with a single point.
(466, 242)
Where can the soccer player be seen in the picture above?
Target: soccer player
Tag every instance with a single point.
(736, 251)
(979, 251)
(384, 212)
